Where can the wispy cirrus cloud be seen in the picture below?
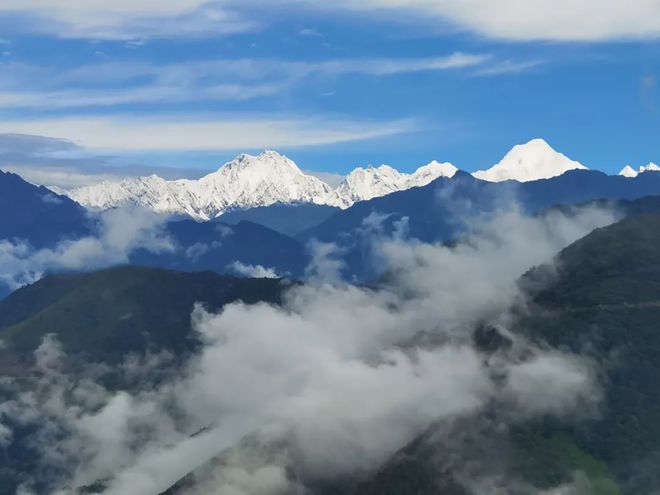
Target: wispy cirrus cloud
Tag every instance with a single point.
(124, 19)
(508, 67)
(177, 132)
(154, 93)
(122, 83)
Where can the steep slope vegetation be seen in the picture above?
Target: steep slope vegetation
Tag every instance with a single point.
(600, 299)
(105, 315)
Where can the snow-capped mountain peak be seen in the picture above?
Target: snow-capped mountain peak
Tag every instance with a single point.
(366, 183)
(530, 161)
(249, 181)
(431, 171)
(245, 182)
(630, 172)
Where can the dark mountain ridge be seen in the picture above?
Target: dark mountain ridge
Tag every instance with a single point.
(603, 303)
(38, 215)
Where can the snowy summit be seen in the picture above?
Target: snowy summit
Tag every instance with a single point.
(630, 172)
(372, 182)
(250, 181)
(530, 161)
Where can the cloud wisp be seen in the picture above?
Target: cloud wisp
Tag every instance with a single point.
(253, 271)
(125, 83)
(123, 19)
(120, 231)
(330, 384)
(202, 132)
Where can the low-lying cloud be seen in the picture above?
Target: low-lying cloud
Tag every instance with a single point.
(120, 231)
(327, 386)
(253, 271)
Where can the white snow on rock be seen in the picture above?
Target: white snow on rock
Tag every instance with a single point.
(530, 161)
(251, 181)
(246, 182)
(373, 182)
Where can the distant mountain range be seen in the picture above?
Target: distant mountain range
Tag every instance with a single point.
(253, 181)
(270, 178)
(603, 303)
(628, 171)
(271, 240)
(446, 208)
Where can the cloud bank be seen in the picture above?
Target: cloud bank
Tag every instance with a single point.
(120, 231)
(60, 163)
(564, 20)
(329, 385)
(576, 20)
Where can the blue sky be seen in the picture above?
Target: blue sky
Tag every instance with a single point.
(188, 84)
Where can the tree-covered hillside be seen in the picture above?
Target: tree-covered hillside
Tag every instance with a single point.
(107, 314)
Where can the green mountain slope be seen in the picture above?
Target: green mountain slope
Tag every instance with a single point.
(107, 314)
(103, 317)
(605, 303)
(600, 299)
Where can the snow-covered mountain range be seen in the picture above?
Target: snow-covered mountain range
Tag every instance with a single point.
(248, 181)
(372, 182)
(251, 181)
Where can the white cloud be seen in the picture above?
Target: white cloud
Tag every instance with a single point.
(62, 165)
(383, 67)
(114, 83)
(59, 178)
(253, 271)
(180, 133)
(120, 231)
(126, 19)
(313, 32)
(507, 67)
(147, 94)
(560, 20)
(343, 375)
(545, 380)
